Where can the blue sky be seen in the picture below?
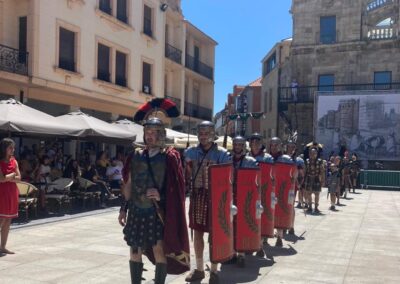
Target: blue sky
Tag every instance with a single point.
(245, 31)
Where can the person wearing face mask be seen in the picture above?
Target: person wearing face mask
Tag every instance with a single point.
(198, 159)
(155, 222)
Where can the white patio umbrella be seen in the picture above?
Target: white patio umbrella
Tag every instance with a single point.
(17, 118)
(96, 129)
(193, 141)
(138, 130)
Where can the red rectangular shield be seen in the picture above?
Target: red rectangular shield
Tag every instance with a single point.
(286, 175)
(248, 219)
(267, 192)
(221, 220)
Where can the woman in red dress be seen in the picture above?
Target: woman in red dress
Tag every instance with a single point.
(9, 174)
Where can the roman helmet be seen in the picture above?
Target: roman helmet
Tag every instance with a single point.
(156, 124)
(241, 141)
(210, 127)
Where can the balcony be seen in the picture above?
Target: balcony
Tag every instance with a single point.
(377, 4)
(306, 94)
(13, 60)
(173, 53)
(381, 33)
(199, 67)
(197, 111)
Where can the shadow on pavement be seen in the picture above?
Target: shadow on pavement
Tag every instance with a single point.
(251, 271)
(294, 238)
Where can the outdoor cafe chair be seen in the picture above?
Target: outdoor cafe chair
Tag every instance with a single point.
(27, 197)
(85, 194)
(58, 191)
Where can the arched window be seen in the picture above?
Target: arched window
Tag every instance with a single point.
(382, 30)
(385, 23)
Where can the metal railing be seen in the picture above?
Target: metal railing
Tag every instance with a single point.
(199, 67)
(381, 33)
(380, 179)
(13, 60)
(198, 111)
(377, 4)
(173, 53)
(306, 94)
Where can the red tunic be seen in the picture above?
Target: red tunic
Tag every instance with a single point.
(8, 192)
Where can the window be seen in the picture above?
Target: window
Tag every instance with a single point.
(105, 6)
(122, 11)
(382, 80)
(265, 101)
(66, 58)
(22, 40)
(270, 100)
(328, 30)
(270, 64)
(146, 79)
(147, 21)
(326, 83)
(120, 69)
(103, 63)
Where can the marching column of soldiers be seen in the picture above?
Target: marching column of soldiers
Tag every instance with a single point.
(239, 198)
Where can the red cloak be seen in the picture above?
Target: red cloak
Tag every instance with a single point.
(176, 238)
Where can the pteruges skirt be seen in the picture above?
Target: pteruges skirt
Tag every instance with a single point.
(143, 228)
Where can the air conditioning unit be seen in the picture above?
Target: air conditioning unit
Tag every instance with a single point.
(146, 89)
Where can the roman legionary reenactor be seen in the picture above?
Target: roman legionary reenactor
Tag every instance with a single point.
(156, 196)
(291, 151)
(275, 147)
(240, 161)
(314, 179)
(333, 181)
(198, 159)
(257, 151)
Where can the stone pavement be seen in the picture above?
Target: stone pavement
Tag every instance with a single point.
(358, 244)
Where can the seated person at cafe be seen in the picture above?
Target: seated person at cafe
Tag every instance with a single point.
(114, 174)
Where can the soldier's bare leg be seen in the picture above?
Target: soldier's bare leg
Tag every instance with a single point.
(279, 237)
(198, 243)
(316, 194)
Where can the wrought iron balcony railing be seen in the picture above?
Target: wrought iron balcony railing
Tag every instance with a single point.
(377, 4)
(199, 67)
(13, 60)
(381, 33)
(306, 94)
(173, 53)
(198, 111)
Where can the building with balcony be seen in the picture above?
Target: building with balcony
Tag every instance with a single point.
(189, 70)
(341, 46)
(105, 57)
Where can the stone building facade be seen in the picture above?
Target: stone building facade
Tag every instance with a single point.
(337, 46)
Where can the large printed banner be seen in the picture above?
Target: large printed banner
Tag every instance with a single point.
(366, 123)
(248, 202)
(221, 218)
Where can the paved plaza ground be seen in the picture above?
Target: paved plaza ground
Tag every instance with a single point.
(360, 243)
